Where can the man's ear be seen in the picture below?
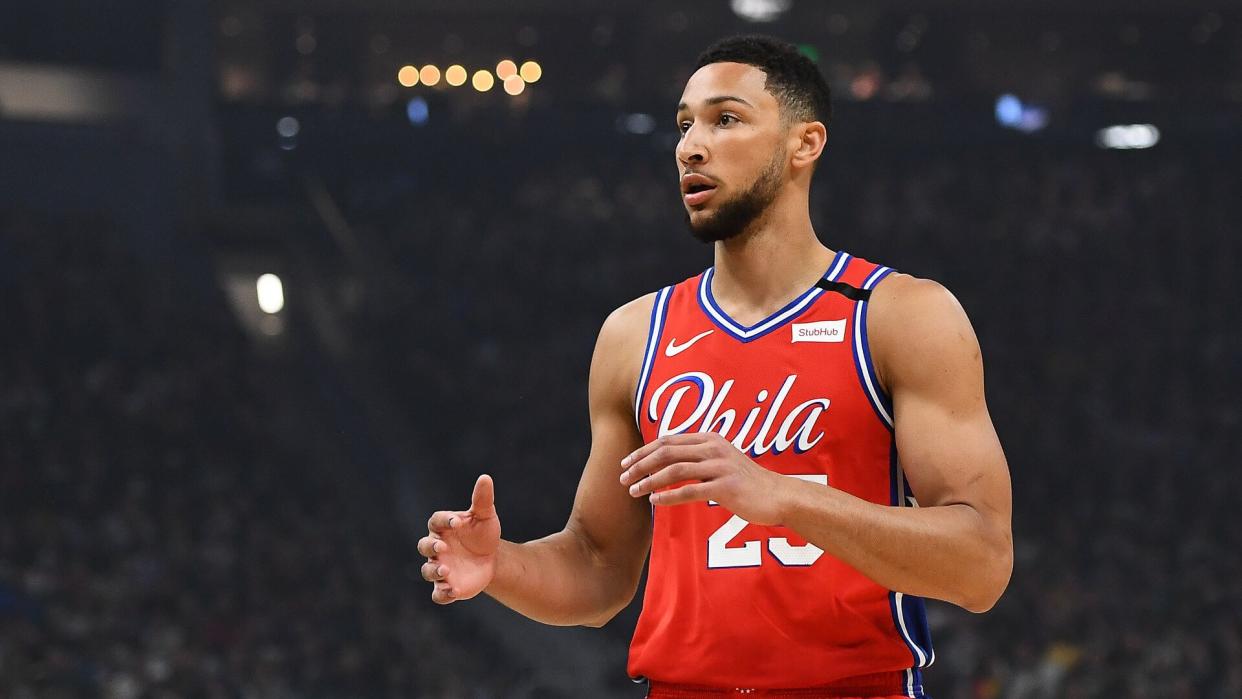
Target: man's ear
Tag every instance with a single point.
(811, 137)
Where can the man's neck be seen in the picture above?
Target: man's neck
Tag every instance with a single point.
(764, 268)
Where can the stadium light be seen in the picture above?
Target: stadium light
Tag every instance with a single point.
(1128, 137)
(417, 111)
(760, 10)
(430, 75)
(288, 127)
(1008, 110)
(506, 69)
(514, 85)
(637, 123)
(1013, 113)
(271, 294)
(531, 71)
(482, 80)
(455, 75)
(407, 76)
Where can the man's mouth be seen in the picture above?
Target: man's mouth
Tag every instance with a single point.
(696, 189)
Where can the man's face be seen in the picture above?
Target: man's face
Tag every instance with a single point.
(731, 158)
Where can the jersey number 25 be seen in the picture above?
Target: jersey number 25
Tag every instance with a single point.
(721, 555)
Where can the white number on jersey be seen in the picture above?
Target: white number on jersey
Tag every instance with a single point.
(748, 555)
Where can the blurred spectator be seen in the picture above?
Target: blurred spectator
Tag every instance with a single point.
(157, 539)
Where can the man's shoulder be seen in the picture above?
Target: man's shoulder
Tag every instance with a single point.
(628, 319)
(633, 311)
(634, 317)
(619, 350)
(905, 294)
(624, 332)
(915, 322)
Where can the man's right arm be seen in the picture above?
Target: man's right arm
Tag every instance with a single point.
(589, 571)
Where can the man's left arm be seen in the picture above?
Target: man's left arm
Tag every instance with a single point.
(957, 545)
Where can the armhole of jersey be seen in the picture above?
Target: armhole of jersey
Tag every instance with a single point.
(908, 611)
(655, 329)
(879, 400)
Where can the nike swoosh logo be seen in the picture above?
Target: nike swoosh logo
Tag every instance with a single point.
(675, 349)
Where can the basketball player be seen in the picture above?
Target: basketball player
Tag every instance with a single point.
(798, 436)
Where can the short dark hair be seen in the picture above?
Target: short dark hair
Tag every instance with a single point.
(792, 78)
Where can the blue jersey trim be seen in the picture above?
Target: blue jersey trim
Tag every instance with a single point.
(659, 313)
(914, 607)
(908, 611)
(914, 611)
(773, 322)
(880, 401)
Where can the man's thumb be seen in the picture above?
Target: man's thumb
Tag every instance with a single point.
(483, 501)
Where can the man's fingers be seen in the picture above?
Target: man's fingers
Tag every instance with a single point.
(442, 594)
(482, 506)
(430, 546)
(659, 458)
(439, 521)
(483, 501)
(667, 440)
(679, 472)
(433, 571)
(694, 492)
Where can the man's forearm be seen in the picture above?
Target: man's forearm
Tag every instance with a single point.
(556, 580)
(948, 552)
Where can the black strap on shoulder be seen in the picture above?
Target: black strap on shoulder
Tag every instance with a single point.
(850, 292)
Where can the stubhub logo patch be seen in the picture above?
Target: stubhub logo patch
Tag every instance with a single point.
(822, 331)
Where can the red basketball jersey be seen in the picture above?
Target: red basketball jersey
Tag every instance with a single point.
(731, 604)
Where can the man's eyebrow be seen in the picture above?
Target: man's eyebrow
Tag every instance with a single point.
(717, 100)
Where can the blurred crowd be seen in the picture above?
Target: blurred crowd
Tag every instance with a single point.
(161, 534)
(1102, 286)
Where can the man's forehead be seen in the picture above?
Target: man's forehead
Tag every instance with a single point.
(716, 80)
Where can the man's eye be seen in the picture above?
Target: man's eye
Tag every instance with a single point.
(726, 118)
(683, 126)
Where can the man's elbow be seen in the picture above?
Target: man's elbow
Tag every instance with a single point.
(620, 591)
(610, 613)
(982, 603)
(991, 583)
(600, 622)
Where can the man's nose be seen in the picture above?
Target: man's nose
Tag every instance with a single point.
(690, 149)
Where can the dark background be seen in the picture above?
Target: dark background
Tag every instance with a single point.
(202, 499)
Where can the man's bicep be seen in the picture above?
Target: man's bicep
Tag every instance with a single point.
(946, 443)
(951, 457)
(615, 525)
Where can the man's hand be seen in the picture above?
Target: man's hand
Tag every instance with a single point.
(726, 476)
(461, 547)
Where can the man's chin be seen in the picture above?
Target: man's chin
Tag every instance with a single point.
(705, 227)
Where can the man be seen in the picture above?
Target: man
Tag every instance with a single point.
(764, 429)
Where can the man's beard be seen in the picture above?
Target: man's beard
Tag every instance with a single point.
(735, 216)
